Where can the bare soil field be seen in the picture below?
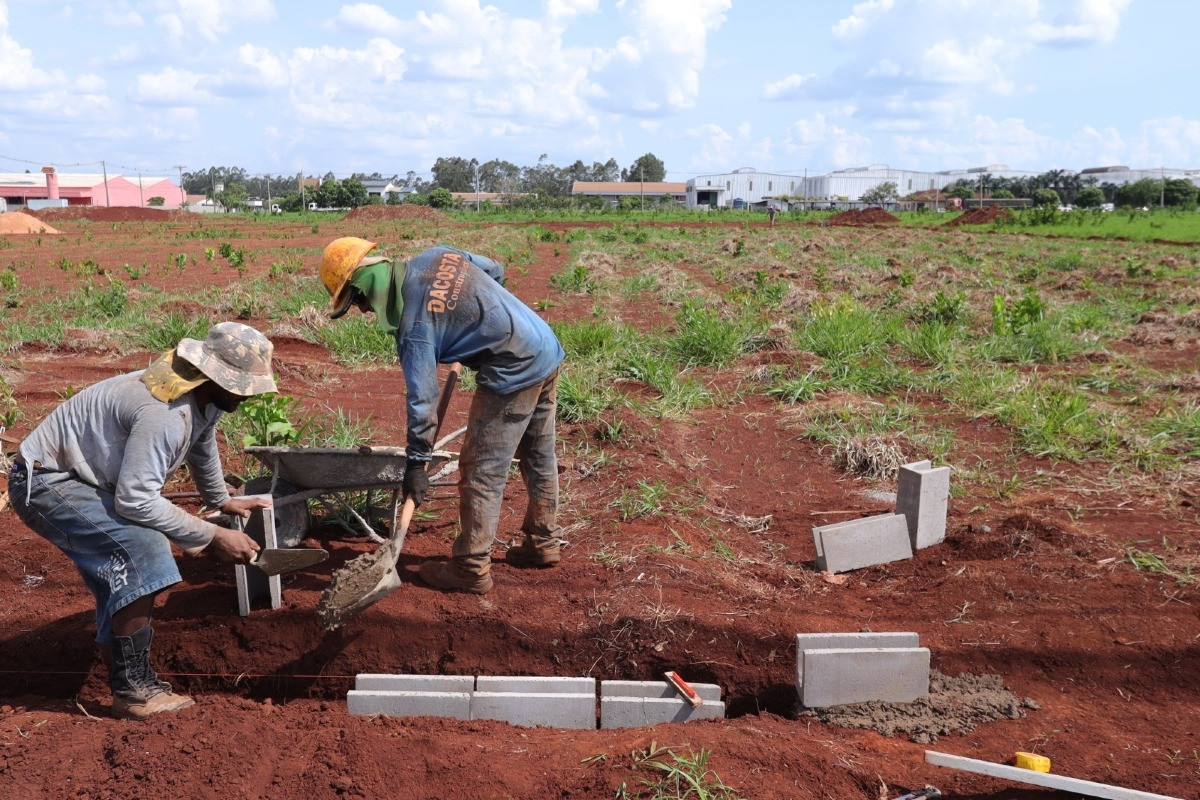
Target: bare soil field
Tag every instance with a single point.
(1035, 583)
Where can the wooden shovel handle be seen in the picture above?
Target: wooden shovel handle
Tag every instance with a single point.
(444, 398)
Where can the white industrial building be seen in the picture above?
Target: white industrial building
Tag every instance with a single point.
(1120, 176)
(744, 186)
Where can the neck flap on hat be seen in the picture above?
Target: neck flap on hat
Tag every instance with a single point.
(171, 377)
(381, 282)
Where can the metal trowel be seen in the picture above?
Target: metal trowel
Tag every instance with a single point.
(276, 561)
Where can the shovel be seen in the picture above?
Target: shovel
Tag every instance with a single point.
(369, 578)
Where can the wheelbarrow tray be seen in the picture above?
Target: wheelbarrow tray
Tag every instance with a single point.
(334, 468)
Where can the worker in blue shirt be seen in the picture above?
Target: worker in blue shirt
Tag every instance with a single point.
(443, 306)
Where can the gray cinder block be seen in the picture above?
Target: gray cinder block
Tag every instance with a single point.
(923, 496)
(860, 543)
(839, 677)
(708, 692)
(537, 709)
(636, 712)
(372, 682)
(535, 684)
(252, 582)
(846, 641)
(456, 705)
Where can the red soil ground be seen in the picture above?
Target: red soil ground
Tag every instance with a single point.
(980, 216)
(1021, 588)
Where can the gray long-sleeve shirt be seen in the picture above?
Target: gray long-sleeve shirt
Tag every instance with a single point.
(118, 437)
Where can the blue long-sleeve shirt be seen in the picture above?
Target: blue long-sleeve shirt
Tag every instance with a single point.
(456, 310)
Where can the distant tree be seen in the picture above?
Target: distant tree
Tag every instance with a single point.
(1045, 197)
(1091, 197)
(441, 198)
(882, 193)
(500, 177)
(608, 171)
(455, 174)
(233, 196)
(1002, 194)
(545, 180)
(354, 193)
(1139, 193)
(961, 189)
(646, 168)
(1179, 193)
(394, 199)
(1110, 191)
(289, 201)
(156, 201)
(414, 182)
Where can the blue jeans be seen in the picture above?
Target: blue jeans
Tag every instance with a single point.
(120, 561)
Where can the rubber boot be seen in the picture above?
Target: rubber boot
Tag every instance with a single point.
(535, 551)
(449, 577)
(137, 691)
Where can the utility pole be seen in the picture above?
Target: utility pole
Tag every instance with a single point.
(141, 191)
(268, 193)
(804, 202)
(642, 186)
(1162, 187)
(104, 167)
(182, 193)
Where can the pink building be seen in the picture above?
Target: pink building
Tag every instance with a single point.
(80, 189)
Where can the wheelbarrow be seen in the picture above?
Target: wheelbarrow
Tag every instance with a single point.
(329, 475)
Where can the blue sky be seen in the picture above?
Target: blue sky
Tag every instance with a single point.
(706, 85)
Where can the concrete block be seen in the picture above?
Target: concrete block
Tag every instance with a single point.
(370, 682)
(708, 692)
(923, 496)
(636, 712)
(537, 709)
(535, 684)
(251, 582)
(839, 677)
(845, 641)
(456, 705)
(859, 543)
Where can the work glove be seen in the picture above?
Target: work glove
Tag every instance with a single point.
(416, 481)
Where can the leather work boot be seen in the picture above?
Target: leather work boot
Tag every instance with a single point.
(450, 577)
(137, 691)
(535, 552)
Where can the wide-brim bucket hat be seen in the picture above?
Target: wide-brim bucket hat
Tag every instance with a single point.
(234, 356)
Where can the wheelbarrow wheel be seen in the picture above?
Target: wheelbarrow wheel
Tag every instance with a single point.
(291, 521)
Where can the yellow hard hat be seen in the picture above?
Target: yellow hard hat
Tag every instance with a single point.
(338, 263)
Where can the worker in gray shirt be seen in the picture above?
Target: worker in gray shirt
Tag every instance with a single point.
(89, 479)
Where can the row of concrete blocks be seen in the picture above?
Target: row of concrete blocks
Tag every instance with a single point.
(531, 701)
(922, 497)
(837, 669)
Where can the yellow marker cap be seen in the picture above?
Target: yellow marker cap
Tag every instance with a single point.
(1032, 761)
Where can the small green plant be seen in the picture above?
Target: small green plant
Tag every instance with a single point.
(9, 411)
(134, 273)
(647, 500)
(1015, 317)
(209, 254)
(266, 420)
(574, 280)
(8, 279)
(676, 776)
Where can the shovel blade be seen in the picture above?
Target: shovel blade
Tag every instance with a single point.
(360, 583)
(276, 561)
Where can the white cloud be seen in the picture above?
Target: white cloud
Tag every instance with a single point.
(861, 16)
(212, 19)
(1089, 22)
(366, 18)
(788, 88)
(565, 9)
(823, 144)
(1165, 141)
(171, 87)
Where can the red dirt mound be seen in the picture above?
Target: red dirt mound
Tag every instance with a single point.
(18, 222)
(406, 211)
(112, 214)
(981, 216)
(866, 216)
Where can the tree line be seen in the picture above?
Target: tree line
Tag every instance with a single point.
(545, 182)
(1063, 187)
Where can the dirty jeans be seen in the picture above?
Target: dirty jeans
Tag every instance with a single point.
(119, 560)
(499, 427)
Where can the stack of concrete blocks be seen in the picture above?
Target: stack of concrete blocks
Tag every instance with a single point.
(922, 497)
(837, 669)
(530, 701)
(635, 704)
